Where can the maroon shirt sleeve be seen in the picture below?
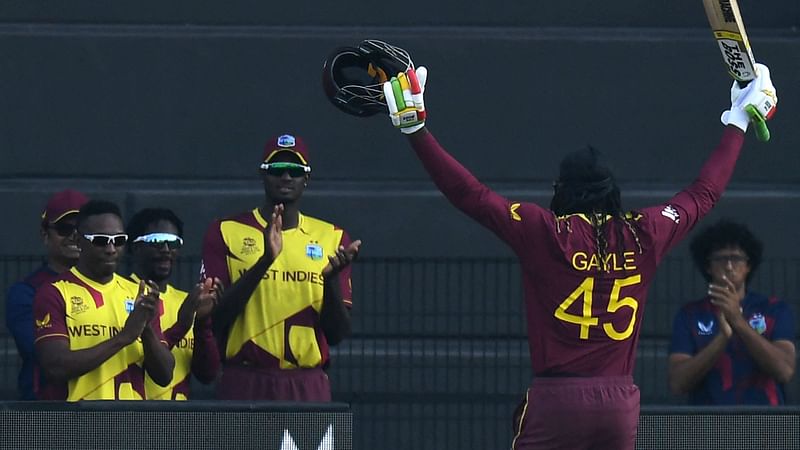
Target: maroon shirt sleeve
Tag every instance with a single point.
(49, 322)
(205, 356)
(465, 192)
(49, 314)
(155, 324)
(174, 334)
(214, 255)
(672, 220)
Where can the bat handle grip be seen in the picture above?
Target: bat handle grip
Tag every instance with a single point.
(759, 123)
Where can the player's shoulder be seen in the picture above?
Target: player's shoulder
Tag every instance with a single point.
(57, 286)
(173, 292)
(244, 222)
(242, 217)
(765, 302)
(695, 307)
(316, 225)
(126, 283)
(40, 276)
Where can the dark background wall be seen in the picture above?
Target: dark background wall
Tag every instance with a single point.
(151, 104)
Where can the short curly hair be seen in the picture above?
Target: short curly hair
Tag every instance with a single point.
(148, 216)
(726, 233)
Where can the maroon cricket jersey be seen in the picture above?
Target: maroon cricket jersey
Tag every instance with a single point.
(583, 314)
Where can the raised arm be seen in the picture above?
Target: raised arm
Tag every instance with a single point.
(235, 297)
(460, 187)
(755, 102)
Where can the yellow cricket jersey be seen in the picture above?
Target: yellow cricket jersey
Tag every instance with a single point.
(280, 324)
(182, 347)
(87, 313)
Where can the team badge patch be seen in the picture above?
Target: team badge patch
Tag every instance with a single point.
(129, 305)
(705, 329)
(671, 213)
(286, 140)
(758, 323)
(314, 251)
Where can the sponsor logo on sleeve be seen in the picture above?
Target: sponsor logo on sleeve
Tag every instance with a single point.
(671, 213)
(513, 210)
(44, 323)
(705, 329)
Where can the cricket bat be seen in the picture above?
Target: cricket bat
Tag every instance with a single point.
(726, 22)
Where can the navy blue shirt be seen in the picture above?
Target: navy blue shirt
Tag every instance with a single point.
(736, 378)
(19, 320)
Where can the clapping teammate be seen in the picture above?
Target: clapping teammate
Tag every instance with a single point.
(97, 333)
(287, 286)
(156, 236)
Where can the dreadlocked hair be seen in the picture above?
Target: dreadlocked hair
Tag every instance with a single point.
(586, 185)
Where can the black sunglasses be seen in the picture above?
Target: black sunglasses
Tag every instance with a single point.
(63, 229)
(293, 169)
(102, 240)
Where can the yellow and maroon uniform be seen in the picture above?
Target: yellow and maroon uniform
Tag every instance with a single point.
(195, 349)
(279, 327)
(86, 313)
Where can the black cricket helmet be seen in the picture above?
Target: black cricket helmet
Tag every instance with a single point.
(353, 77)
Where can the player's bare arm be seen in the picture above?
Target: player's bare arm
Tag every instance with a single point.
(685, 370)
(334, 318)
(235, 298)
(199, 303)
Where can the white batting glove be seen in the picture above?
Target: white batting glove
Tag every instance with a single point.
(754, 103)
(404, 98)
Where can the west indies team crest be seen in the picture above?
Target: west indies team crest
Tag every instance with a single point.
(314, 250)
(758, 323)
